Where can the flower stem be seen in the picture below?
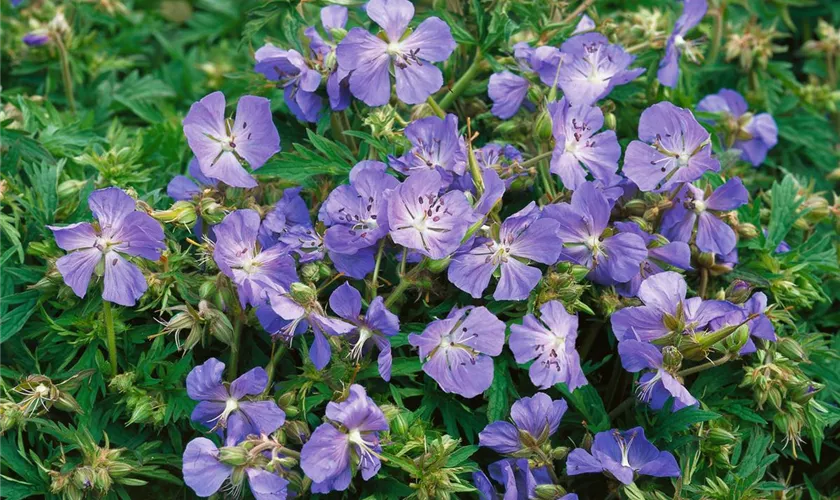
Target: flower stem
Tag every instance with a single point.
(374, 281)
(271, 369)
(704, 282)
(463, 82)
(233, 364)
(718, 34)
(705, 366)
(435, 107)
(398, 292)
(112, 336)
(66, 77)
(622, 407)
(533, 161)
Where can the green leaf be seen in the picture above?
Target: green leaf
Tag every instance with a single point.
(785, 204)
(587, 401)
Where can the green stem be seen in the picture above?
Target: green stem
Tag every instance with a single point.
(549, 463)
(66, 77)
(621, 408)
(475, 172)
(403, 262)
(718, 35)
(435, 107)
(271, 369)
(533, 161)
(704, 282)
(463, 82)
(705, 366)
(112, 336)
(374, 281)
(233, 364)
(398, 292)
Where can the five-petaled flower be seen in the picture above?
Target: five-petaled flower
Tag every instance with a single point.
(119, 229)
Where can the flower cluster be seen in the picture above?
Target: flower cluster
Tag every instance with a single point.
(425, 212)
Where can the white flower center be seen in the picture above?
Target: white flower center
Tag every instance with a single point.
(699, 206)
(571, 146)
(364, 335)
(683, 159)
(393, 48)
(42, 390)
(231, 405)
(679, 42)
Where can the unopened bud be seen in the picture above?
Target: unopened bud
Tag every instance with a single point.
(233, 455)
(310, 272)
(791, 349)
(805, 392)
(122, 382)
(302, 294)
(733, 343)
(296, 431)
(182, 212)
(438, 266)
(671, 358)
(560, 452)
(543, 126)
(738, 291)
(609, 121)
(70, 187)
(549, 491)
(721, 437)
(211, 211)
(706, 259)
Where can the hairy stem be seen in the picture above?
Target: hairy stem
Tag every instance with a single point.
(112, 336)
(271, 369)
(704, 282)
(435, 107)
(717, 37)
(705, 366)
(533, 161)
(463, 82)
(398, 292)
(374, 280)
(233, 364)
(66, 77)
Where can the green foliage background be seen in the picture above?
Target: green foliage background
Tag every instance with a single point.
(137, 66)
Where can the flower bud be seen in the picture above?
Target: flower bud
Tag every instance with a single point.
(119, 469)
(211, 211)
(122, 382)
(543, 126)
(706, 259)
(738, 291)
(775, 397)
(791, 349)
(438, 266)
(285, 462)
(310, 272)
(721, 437)
(609, 121)
(11, 415)
(233, 455)
(733, 343)
(70, 187)
(805, 392)
(549, 491)
(671, 358)
(181, 212)
(746, 230)
(560, 452)
(302, 294)
(636, 208)
(296, 431)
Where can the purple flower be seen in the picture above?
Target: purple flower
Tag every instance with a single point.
(423, 220)
(523, 235)
(623, 454)
(36, 38)
(222, 407)
(503, 159)
(333, 17)
(614, 259)
(457, 351)
(692, 210)
(182, 187)
(753, 134)
(508, 92)
(254, 271)
(660, 255)
(349, 441)
(669, 67)
(120, 229)
(593, 67)
(289, 214)
(205, 473)
(435, 145)
(515, 475)
(291, 71)
(220, 145)
(293, 313)
(579, 150)
(368, 58)
(759, 327)
(537, 416)
(550, 341)
(585, 24)
(375, 328)
(665, 310)
(673, 148)
(357, 214)
(657, 386)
